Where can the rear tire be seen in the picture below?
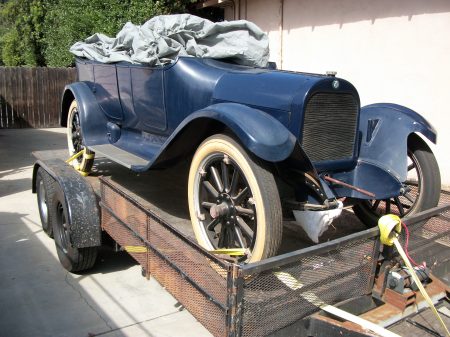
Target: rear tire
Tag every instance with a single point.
(422, 187)
(75, 141)
(73, 259)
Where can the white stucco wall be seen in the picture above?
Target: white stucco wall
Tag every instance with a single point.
(392, 51)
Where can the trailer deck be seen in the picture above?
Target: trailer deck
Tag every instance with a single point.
(147, 215)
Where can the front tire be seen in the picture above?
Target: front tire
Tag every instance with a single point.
(421, 189)
(233, 200)
(75, 141)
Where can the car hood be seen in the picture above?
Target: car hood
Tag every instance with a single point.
(265, 88)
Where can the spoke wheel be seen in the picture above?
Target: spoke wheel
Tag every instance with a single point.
(233, 200)
(75, 141)
(420, 191)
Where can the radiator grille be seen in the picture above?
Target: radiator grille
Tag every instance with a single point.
(329, 127)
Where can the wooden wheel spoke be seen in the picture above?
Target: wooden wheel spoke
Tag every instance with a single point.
(223, 232)
(207, 205)
(240, 197)
(230, 237)
(399, 206)
(213, 224)
(239, 237)
(210, 188)
(411, 166)
(234, 181)
(216, 178)
(406, 206)
(225, 180)
(388, 206)
(244, 211)
(408, 196)
(375, 205)
(248, 232)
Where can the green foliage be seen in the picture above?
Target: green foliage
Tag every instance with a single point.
(22, 36)
(40, 32)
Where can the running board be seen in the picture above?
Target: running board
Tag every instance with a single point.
(120, 156)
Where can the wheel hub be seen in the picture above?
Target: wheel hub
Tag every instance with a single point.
(223, 208)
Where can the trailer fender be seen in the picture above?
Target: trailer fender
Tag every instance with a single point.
(384, 130)
(81, 201)
(92, 118)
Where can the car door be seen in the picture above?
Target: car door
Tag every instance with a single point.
(148, 98)
(106, 91)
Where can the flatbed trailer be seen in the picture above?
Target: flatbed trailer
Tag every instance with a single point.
(146, 215)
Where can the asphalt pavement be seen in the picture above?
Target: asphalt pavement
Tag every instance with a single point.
(39, 298)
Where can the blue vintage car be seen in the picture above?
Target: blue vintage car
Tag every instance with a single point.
(264, 144)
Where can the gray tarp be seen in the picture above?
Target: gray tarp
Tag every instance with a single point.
(163, 38)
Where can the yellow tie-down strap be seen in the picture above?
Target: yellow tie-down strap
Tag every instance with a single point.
(135, 249)
(78, 154)
(230, 251)
(390, 227)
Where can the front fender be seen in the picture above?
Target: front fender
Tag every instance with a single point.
(384, 130)
(259, 132)
(92, 118)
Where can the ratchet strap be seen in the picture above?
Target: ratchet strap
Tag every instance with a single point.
(390, 228)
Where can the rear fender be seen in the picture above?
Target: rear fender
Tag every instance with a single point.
(92, 118)
(384, 130)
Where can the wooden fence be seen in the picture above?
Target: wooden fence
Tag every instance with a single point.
(31, 97)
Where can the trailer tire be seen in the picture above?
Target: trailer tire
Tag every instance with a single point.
(73, 259)
(45, 190)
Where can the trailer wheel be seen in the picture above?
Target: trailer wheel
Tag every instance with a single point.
(73, 259)
(233, 200)
(45, 190)
(75, 140)
(421, 190)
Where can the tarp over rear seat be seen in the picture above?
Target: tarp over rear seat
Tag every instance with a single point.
(163, 38)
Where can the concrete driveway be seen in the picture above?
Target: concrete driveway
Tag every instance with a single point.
(39, 298)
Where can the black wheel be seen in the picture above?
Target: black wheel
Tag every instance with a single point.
(233, 200)
(75, 141)
(420, 191)
(73, 259)
(44, 191)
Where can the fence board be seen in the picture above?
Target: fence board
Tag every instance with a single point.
(31, 97)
